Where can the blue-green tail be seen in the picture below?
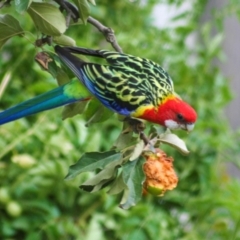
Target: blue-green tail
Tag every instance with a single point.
(52, 99)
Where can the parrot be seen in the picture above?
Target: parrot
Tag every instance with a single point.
(131, 86)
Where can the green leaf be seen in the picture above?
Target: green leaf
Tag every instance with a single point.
(118, 185)
(137, 151)
(96, 112)
(53, 69)
(215, 44)
(47, 18)
(101, 179)
(64, 40)
(92, 2)
(94, 188)
(62, 77)
(92, 161)
(125, 139)
(73, 109)
(45, 61)
(133, 177)
(174, 141)
(83, 8)
(22, 5)
(9, 27)
(92, 108)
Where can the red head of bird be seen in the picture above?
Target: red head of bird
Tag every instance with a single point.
(172, 113)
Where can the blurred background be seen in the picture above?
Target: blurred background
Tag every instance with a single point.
(197, 42)
(230, 63)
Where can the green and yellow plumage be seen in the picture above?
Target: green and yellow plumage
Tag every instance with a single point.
(124, 85)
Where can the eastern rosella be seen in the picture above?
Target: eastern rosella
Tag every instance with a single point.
(131, 86)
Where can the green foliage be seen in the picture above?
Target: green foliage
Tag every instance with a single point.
(83, 8)
(9, 27)
(47, 18)
(93, 161)
(35, 200)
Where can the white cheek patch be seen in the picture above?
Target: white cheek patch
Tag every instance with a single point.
(190, 127)
(174, 125)
(171, 124)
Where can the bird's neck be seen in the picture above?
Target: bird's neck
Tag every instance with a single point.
(156, 114)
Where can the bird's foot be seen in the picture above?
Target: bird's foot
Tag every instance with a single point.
(138, 127)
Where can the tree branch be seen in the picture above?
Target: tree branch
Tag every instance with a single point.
(138, 126)
(107, 32)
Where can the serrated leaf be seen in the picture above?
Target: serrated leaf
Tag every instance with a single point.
(22, 5)
(9, 27)
(133, 177)
(174, 141)
(64, 40)
(92, 161)
(47, 18)
(117, 186)
(101, 179)
(83, 9)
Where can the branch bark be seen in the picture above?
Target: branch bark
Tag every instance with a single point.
(107, 32)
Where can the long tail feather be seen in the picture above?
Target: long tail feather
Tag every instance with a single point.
(73, 62)
(78, 50)
(46, 101)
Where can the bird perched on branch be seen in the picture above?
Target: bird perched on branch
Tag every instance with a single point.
(131, 86)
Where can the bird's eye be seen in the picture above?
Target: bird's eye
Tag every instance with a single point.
(180, 117)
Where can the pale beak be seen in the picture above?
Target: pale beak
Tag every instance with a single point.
(189, 127)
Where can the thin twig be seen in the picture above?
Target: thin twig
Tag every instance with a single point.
(71, 10)
(107, 32)
(144, 138)
(138, 127)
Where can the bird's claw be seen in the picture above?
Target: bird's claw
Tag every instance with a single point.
(136, 125)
